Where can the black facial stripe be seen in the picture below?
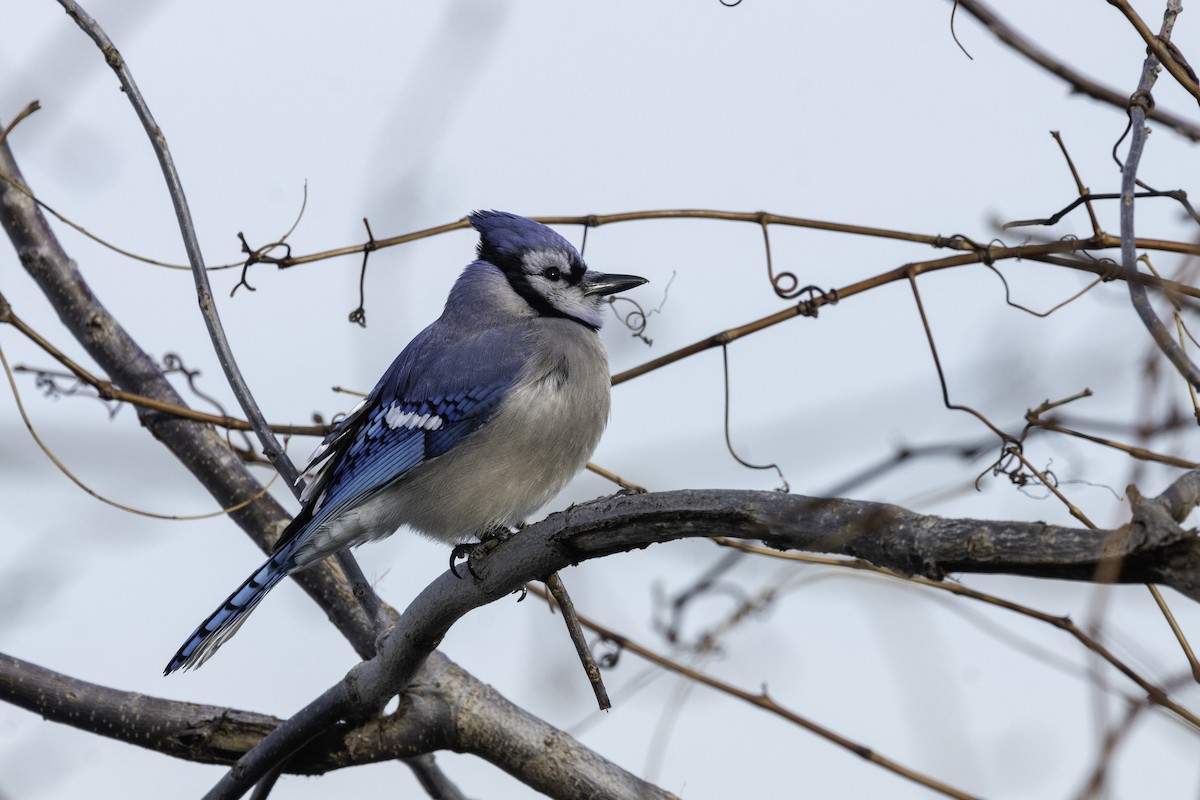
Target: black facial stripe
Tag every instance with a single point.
(514, 269)
(520, 283)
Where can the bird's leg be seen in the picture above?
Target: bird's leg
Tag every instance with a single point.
(473, 551)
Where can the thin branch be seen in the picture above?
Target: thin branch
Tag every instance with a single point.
(567, 608)
(1160, 47)
(937, 363)
(217, 468)
(1176, 630)
(106, 391)
(995, 253)
(608, 475)
(1079, 82)
(272, 447)
(64, 219)
(1138, 106)
(758, 218)
(1079, 186)
(1140, 453)
(29, 108)
(45, 448)
(435, 782)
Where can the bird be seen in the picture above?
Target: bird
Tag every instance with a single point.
(482, 419)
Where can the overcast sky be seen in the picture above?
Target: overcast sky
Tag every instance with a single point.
(411, 115)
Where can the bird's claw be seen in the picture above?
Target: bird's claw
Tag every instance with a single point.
(472, 552)
(460, 552)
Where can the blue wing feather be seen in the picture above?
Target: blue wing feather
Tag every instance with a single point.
(413, 415)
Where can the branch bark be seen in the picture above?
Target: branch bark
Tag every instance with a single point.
(444, 708)
(1152, 548)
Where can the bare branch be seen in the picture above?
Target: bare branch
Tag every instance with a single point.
(196, 445)
(1079, 82)
(977, 256)
(1154, 549)
(444, 708)
(106, 391)
(1160, 47)
(271, 446)
(1138, 106)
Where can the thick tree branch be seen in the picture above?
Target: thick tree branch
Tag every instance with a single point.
(445, 707)
(1151, 549)
(201, 733)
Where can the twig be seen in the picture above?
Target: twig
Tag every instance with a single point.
(1083, 190)
(141, 512)
(63, 218)
(1140, 453)
(1160, 47)
(595, 220)
(937, 363)
(263, 790)
(1175, 629)
(625, 484)
(22, 114)
(559, 591)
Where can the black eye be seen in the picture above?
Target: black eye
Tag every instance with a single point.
(552, 273)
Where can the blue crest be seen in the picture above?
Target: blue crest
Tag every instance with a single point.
(504, 237)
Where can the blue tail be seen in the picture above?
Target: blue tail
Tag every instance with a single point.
(225, 621)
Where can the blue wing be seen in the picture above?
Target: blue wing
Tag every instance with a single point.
(439, 390)
(444, 386)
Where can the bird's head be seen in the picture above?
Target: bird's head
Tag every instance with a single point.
(544, 268)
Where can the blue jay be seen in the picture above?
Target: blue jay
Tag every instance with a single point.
(481, 420)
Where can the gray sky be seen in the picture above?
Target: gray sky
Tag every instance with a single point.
(411, 115)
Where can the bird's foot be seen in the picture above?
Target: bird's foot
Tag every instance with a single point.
(473, 552)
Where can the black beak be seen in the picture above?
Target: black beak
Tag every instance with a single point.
(601, 284)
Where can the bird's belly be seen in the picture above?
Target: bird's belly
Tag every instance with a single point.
(538, 440)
